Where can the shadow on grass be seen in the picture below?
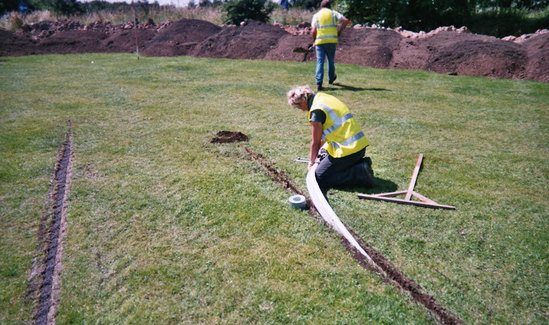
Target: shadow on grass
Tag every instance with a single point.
(352, 88)
(380, 186)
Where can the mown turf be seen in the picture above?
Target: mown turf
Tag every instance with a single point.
(167, 227)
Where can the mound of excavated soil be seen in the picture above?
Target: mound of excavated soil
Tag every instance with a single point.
(126, 40)
(445, 50)
(229, 136)
(369, 47)
(252, 41)
(71, 41)
(466, 54)
(537, 50)
(284, 49)
(15, 44)
(180, 38)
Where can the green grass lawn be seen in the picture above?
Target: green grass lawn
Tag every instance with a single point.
(165, 227)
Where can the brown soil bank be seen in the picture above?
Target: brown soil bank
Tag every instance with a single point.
(445, 50)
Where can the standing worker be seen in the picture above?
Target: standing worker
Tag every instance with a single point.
(332, 123)
(327, 25)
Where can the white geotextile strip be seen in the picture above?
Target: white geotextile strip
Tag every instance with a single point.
(328, 214)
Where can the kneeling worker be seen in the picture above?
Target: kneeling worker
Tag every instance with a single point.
(332, 123)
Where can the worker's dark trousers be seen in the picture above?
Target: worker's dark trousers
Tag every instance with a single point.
(346, 171)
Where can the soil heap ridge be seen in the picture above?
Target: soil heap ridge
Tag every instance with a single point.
(446, 50)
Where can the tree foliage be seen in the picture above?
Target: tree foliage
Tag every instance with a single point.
(8, 5)
(306, 4)
(63, 7)
(237, 11)
(428, 14)
(210, 4)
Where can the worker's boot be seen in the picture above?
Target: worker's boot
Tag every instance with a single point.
(369, 180)
(368, 162)
(360, 174)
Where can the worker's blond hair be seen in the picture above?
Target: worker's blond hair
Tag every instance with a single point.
(299, 94)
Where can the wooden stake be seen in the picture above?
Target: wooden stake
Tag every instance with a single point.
(409, 194)
(414, 177)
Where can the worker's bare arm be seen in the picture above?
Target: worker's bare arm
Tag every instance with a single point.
(343, 23)
(316, 141)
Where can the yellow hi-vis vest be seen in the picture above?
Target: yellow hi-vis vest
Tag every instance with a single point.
(340, 130)
(326, 32)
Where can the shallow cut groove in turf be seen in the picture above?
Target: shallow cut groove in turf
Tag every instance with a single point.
(378, 264)
(44, 281)
(278, 176)
(393, 275)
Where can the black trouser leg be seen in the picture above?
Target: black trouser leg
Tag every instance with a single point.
(345, 171)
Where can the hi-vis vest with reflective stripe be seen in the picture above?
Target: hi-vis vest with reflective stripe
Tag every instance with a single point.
(340, 130)
(326, 32)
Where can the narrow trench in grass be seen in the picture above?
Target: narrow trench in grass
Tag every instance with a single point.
(44, 279)
(381, 265)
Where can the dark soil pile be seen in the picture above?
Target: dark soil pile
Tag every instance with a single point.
(445, 50)
(537, 51)
(464, 54)
(180, 38)
(369, 47)
(15, 44)
(126, 40)
(251, 41)
(228, 137)
(71, 41)
(284, 49)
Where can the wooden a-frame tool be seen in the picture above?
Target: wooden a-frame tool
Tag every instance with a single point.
(409, 194)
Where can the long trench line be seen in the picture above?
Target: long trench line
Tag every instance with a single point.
(377, 262)
(44, 280)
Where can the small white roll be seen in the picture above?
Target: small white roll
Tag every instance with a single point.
(298, 201)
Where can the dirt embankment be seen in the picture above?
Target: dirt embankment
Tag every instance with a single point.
(445, 50)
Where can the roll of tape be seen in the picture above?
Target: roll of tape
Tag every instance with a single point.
(298, 201)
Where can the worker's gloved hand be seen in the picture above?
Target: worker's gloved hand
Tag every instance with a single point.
(310, 47)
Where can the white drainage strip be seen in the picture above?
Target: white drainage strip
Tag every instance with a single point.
(328, 214)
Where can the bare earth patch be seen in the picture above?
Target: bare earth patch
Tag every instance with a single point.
(228, 137)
